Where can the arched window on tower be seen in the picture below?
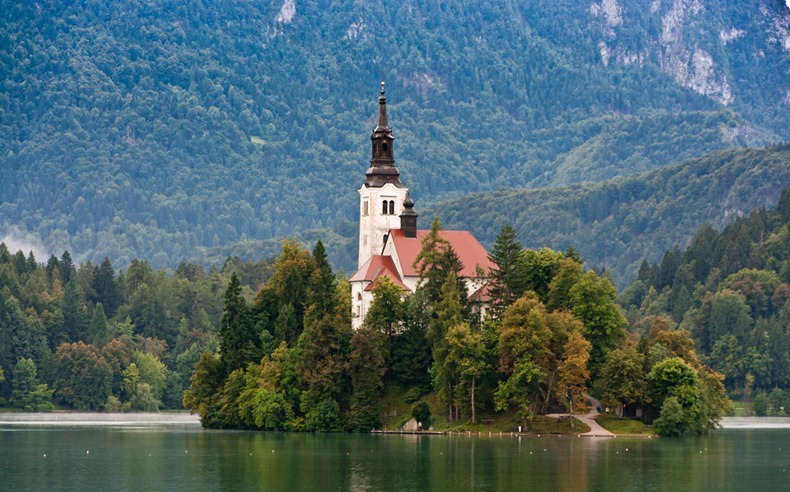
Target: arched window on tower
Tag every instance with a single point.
(384, 147)
(392, 207)
(365, 208)
(384, 208)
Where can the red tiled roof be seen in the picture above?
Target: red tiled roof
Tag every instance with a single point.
(375, 267)
(483, 294)
(469, 251)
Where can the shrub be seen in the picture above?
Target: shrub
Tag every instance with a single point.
(421, 412)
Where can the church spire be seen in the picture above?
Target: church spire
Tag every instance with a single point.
(382, 168)
(383, 125)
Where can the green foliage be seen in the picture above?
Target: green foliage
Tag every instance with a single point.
(237, 338)
(435, 263)
(508, 279)
(730, 291)
(519, 389)
(448, 314)
(421, 412)
(26, 392)
(169, 147)
(386, 311)
(83, 378)
(592, 300)
(367, 366)
(151, 372)
(673, 420)
(661, 208)
(466, 353)
(622, 379)
(201, 397)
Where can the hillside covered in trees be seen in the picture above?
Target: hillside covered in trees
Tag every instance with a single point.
(730, 290)
(158, 130)
(618, 223)
(270, 345)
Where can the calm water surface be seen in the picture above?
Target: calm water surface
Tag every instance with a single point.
(185, 457)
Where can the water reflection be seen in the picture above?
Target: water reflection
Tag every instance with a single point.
(177, 459)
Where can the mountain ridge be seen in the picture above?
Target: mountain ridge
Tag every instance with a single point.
(138, 129)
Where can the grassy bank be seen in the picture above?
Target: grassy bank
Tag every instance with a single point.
(395, 409)
(624, 426)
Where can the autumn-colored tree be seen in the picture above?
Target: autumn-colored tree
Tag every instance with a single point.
(572, 373)
(83, 378)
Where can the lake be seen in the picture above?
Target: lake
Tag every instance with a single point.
(176, 454)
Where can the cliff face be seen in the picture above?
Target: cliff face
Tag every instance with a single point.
(702, 44)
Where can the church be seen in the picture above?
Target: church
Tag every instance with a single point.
(389, 240)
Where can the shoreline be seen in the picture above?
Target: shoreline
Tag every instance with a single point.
(185, 419)
(755, 423)
(99, 419)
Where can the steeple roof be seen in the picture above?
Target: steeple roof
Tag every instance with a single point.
(382, 168)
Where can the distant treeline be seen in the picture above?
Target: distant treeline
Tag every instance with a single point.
(85, 337)
(730, 290)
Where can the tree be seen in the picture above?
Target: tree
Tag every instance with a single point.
(206, 382)
(387, 310)
(75, 317)
(520, 389)
(448, 313)
(237, 337)
(26, 392)
(722, 313)
(105, 289)
(673, 420)
(593, 304)
(435, 262)
(321, 288)
(322, 364)
(421, 412)
(541, 267)
(367, 368)
(98, 328)
(622, 378)
(572, 373)
(152, 372)
(508, 279)
(700, 396)
(281, 303)
(466, 353)
(568, 274)
(83, 377)
(411, 354)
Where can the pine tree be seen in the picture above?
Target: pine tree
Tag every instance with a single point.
(67, 269)
(321, 299)
(105, 289)
(508, 280)
(237, 338)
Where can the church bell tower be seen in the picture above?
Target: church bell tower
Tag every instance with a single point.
(382, 196)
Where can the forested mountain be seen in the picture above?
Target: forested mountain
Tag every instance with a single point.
(730, 290)
(158, 129)
(619, 222)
